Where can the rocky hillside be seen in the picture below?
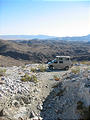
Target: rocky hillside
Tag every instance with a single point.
(38, 51)
(32, 92)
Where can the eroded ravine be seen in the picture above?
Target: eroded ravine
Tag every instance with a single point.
(48, 98)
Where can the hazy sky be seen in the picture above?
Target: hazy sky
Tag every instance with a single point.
(50, 17)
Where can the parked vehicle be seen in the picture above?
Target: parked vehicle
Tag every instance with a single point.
(60, 62)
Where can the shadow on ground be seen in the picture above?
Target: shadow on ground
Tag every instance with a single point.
(51, 111)
(55, 70)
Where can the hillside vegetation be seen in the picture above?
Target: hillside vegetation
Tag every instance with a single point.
(38, 51)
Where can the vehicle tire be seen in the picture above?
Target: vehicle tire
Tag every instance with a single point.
(51, 67)
(67, 68)
(71, 65)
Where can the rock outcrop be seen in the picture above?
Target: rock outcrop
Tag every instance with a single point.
(47, 99)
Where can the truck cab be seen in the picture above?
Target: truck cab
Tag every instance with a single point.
(60, 62)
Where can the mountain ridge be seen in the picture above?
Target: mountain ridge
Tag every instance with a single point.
(28, 37)
(42, 51)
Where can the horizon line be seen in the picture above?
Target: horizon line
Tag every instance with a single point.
(43, 35)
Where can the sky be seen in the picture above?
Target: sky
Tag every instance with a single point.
(48, 17)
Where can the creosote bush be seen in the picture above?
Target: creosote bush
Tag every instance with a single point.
(60, 92)
(88, 68)
(75, 62)
(75, 70)
(83, 110)
(2, 72)
(85, 62)
(23, 66)
(27, 78)
(55, 86)
(34, 78)
(79, 105)
(33, 69)
(42, 68)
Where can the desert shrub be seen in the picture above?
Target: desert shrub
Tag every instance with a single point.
(23, 66)
(25, 78)
(85, 62)
(60, 92)
(2, 72)
(75, 70)
(42, 68)
(88, 68)
(57, 85)
(56, 77)
(79, 105)
(75, 62)
(32, 78)
(33, 69)
(83, 110)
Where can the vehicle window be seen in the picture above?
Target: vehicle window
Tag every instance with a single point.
(55, 61)
(60, 61)
(60, 58)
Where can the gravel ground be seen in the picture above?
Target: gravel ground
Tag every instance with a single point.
(48, 99)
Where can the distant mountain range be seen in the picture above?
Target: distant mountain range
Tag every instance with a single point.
(28, 37)
(25, 37)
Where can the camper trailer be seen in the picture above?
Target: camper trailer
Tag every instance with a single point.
(60, 62)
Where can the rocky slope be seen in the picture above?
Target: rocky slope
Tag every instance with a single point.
(54, 95)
